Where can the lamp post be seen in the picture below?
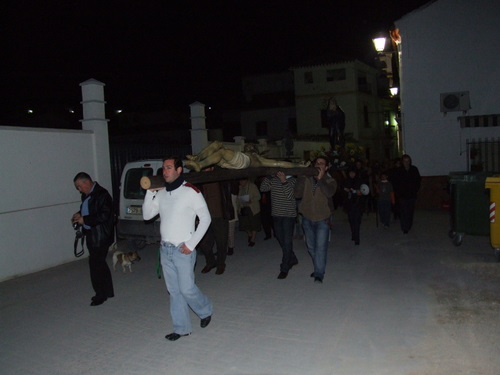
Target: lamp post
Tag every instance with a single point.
(389, 63)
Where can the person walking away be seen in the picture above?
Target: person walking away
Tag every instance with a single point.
(284, 213)
(179, 203)
(97, 222)
(316, 208)
(385, 201)
(406, 182)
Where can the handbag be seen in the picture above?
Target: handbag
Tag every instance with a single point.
(246, 211)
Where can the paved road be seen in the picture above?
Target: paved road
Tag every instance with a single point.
(396, 304)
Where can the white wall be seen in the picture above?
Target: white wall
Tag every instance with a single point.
(448, 46)
(37, 196)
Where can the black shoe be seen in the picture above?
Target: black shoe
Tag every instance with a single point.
(405, 232)
(205, 321)
(220, 270)
(207, 269)
(318, 280)
(97, 297)
(97, 301)
(251, 244)
(356, 242)
(282, 275)
(175, 336)
(312, 274)
(267, 238)
(230, 251)
(294, 263)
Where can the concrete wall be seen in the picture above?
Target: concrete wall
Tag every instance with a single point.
(37, 196)
(448, 46)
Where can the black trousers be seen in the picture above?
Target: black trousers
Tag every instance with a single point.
(217, 234)
(355, 214)
(406, 212)
(283, 230)
(100, 275)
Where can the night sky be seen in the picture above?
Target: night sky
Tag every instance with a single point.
(167, 54)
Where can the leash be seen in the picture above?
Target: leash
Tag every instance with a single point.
(78, 236)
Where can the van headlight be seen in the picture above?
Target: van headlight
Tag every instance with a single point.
(134, 210)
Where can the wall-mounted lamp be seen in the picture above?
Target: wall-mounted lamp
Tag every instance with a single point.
(379, 43)
(394, 91)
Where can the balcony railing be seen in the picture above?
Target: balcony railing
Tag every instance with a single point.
(483, 155)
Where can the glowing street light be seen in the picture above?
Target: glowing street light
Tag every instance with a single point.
(379, 43)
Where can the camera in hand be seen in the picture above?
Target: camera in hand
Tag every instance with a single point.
(78, 228)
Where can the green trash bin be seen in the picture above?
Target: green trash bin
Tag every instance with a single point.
(469, 205)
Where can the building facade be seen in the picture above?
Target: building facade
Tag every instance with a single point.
(370, 118)
(449, 82)
(293, 104)
(268, 106)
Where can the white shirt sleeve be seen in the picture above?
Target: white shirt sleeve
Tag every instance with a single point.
(150, 206)
(205, 219)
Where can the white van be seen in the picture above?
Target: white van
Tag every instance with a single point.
(131, 226)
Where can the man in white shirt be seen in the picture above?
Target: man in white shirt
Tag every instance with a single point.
(179, 203)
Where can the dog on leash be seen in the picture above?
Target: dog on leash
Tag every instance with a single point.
(125, 259)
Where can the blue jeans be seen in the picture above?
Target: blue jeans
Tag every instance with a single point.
(283, 230)
(317, 236)
(178, 271)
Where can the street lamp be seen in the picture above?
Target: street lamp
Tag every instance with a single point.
(388, 58)
(379, 43)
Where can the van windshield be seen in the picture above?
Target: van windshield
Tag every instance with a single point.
(132, 188)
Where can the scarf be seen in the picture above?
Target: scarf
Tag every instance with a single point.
(175, 184)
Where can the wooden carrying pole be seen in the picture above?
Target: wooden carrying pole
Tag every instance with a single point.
(154, 182)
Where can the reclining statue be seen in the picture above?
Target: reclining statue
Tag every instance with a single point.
(216, 154)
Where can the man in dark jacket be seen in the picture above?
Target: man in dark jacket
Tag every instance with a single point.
(218, 197)
(406, 183)
(96, 219)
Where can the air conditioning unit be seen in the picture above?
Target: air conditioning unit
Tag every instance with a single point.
(455, 101)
